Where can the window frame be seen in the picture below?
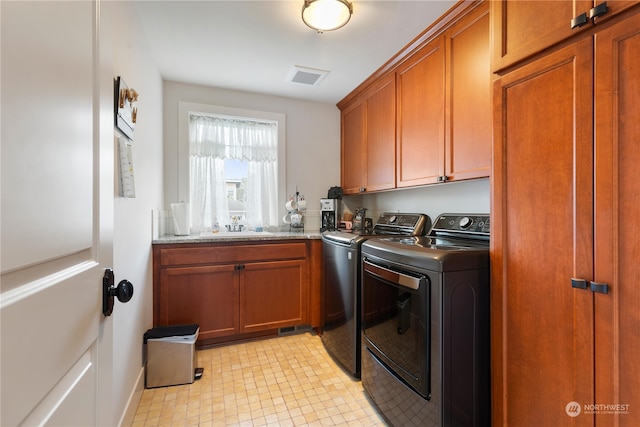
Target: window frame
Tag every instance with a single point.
(186, 108)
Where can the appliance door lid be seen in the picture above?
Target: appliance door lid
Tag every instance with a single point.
(338, 237)
(393, 276)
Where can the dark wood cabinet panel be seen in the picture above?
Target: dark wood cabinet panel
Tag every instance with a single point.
(228, 254)
(469, 121)
(523, 28)
(381, 135)
(273, 295)
(444, 106)
(565, 194)
(421, 116)
(542, 236)
(207, 296)
(617, 210)
(368, 140)
(353, 148)
(237, 290)
(316, 280)
(436, 126)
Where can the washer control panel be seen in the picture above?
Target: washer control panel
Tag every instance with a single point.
(402, 223)
(477, 224)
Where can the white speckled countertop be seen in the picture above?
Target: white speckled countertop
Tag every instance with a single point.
(226, 236)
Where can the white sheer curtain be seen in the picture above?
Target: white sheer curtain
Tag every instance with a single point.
(214, 139)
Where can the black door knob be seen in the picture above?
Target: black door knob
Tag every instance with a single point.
(124, 292)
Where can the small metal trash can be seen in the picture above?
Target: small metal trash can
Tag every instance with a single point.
(171, 355)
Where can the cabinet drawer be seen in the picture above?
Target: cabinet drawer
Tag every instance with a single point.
(231, 254)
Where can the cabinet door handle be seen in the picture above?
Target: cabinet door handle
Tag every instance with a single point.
(601, 288)
(238, 267)
(598, 11)
(578, 283)
(579, 21)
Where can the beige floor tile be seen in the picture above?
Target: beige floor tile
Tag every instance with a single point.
(283, 381)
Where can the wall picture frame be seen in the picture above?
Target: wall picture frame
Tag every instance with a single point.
(125, 109)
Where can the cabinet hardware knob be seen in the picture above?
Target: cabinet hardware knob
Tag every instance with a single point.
(601, 288)
(578, 283)
(598, 11)
(579, 21)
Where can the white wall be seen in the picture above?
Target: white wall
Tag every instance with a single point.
(453, 197)
(132, 61)
(312, 139)
(313, 157)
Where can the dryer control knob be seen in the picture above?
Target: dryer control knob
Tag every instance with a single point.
(465, 222)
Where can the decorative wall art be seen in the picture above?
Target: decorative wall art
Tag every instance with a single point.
(125, 110)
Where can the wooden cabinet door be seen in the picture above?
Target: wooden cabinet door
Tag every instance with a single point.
(353, 151)
(522, 28)
(617, 212)
(381, 134)
(206, 295)
(421, 116)
(542, 236)
(273, 295)
(468, 128)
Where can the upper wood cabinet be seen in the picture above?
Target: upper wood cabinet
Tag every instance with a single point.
(468, 131)
(368, 139)
(436, 126)
(421, 116)
(524, 28)
(353, 148)
(444, 106)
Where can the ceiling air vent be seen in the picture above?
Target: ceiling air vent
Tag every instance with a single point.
(306, 76)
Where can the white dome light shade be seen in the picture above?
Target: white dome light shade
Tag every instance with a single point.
(326, 15)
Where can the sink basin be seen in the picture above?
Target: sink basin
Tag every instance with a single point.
(231, 234)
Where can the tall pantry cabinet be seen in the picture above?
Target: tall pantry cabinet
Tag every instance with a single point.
(566, 204)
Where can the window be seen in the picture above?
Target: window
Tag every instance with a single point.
(234, 167)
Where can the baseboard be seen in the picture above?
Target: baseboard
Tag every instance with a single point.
(132, 404)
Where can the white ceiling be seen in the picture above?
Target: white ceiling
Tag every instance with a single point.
(253, 45)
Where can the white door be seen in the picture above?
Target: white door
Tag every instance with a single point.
(56, 216)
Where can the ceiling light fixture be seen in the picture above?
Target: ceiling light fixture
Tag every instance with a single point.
(326, 15)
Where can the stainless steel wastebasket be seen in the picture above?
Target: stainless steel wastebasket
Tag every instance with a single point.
(171, 355)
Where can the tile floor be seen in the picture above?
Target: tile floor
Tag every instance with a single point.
(283, 381)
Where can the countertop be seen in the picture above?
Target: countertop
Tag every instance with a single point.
(243, 236)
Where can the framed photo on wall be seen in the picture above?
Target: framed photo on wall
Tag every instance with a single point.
(125, 110)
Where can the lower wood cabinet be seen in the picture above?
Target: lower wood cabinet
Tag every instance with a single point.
(208, 296)
(273, 295)
(236, 290)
